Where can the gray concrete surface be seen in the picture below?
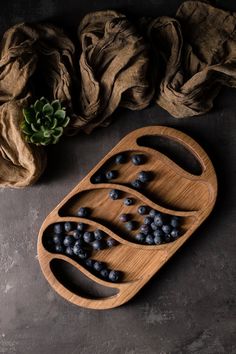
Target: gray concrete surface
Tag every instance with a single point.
(189, 306)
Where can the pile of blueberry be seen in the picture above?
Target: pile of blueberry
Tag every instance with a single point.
(157, 227)
(74, 240)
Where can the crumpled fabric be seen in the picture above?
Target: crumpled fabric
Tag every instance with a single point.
(114, 68)
(35, 60)
(198, 51)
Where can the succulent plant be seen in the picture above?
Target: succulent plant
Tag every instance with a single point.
(44, 122)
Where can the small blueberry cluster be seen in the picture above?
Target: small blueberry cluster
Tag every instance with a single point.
(157, 227)
(75, 241)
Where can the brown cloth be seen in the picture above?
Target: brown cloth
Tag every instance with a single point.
(199, 53)
(114, 68)
(31, 57)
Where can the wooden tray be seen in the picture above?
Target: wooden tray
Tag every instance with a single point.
(173, 191)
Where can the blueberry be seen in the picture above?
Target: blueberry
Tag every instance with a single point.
(158, 220)
(167, 238)
(124, 217)
(83, 254)
(149, 239)
(69, 251)
(145, 229)
(157, 240)
(59, 248)
(99, 234)
(114, 276)
(89, 263)
(128, 201)
(98, 245)
(57, 238)
(154, 226)
(111, 242)
(68, 226)
(77, 234)
(138, 159)
(114, 194)
(144, 176)
(140, 237)
(136, 184)
(83, 212)
(88, 236)
(166, 228)
(68, 241)
(98, 266)
(121, 158)
(76, 249)
(58, 228)
(111, 174)
(143, 209)
(104, 273)
(81, 226)
(147, 220)
(175, 233)
(99, 178)
(79, 243)
(158, 233)
(153, 213)
(131, 225)
(174, 221)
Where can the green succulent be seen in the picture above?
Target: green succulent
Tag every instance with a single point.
(44, 122)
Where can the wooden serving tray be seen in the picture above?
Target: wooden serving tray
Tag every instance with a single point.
(172, 191)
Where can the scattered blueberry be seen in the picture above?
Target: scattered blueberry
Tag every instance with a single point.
(158, 233)
(59, 248)
(89, 263)
(166, 228)
(99, 234)
(82, 254)
(77, 234)
(157, 240)
(121, 158)
(83, 212)
(140, 237)
(124, 217)
(144, 176)
(57, 238)
(154, 226)
(111, 242)
(143, 209)
(98, 245)
(69, 251)
(88, 236)
(68, 226)
(158, 220)
(153, 213)
(98, 266)
(81, 226)
(131, 225)
(111, 174)
(145, 229)
(175, 233)
(114, 194)
(167, 238)
(174, 221)
(137, 184)
(79, 242)
(128, 201)
(147, 220)
(76, 249)
(104, 273)
(138, 159)
(114, 275)
(68, 241)
(99, 178)
(58, 228)
(149, 239)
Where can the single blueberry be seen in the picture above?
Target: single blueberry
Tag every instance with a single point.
(154, 226)
(147, 220)
(175, 233)
(98, 266)
(136, 184)
(58, 238)
(83, 212)
(157, 240)
(58, 228)
(114, 194)
(128, 201)
(98, 245)
(143, 209)
(99, 178)
(145, 229)
(79, 242)
(158, 220)
(167, 238)
(131, 225)
(83, 254)
(68, 241)
(111, 174)
(99, 234)
(76, 249)
(121, 158)
(174, 221)
(89, 263)
(77, 234)
(140, 237)
(138, 159)
(69, 251)
(124, 217)
(81, 226)
(114, 276)
(59, 248)
(153, 213)
(149, 239)
(166, 228)
(68, 226)
(104, 273)
(158, 233)
(145, 176)
(111, 242)
(88, 236)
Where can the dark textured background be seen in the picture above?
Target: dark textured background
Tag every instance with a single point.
(189, 306)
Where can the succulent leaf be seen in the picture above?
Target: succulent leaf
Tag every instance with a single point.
(56, 105)
(47, 109)
(29, 114)
(60, 114)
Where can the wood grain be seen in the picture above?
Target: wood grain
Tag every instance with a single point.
(172, 191)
